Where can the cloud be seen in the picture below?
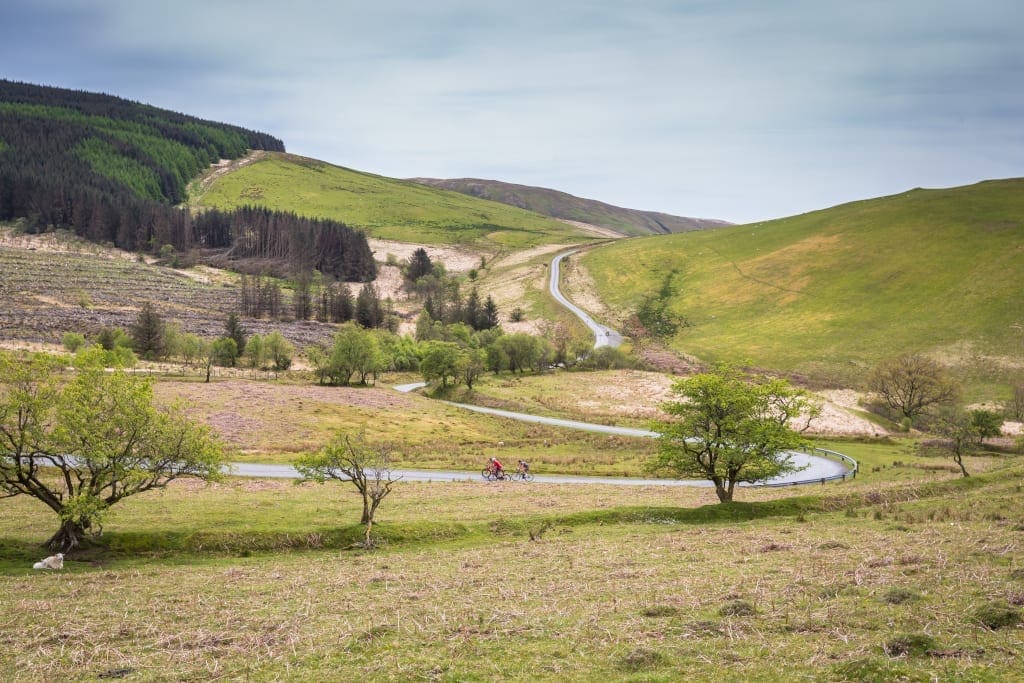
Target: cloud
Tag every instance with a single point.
(734, 109)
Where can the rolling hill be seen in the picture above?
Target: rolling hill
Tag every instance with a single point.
(831, 292)
(569, 207)
(384, 207)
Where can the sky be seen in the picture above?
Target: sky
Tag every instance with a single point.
(740, 110)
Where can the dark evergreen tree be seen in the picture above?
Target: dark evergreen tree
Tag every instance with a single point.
(368, 310)
(233, 329)
(147, 334)
(490, 314)
(419, 265)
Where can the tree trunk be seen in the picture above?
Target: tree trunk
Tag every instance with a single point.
(367, 518)
(724, 494)
(960, 461)
(70, 536)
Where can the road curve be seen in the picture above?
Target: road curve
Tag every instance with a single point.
(817, 469)
(603, 335)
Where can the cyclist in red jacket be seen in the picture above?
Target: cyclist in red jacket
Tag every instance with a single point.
(497, 468)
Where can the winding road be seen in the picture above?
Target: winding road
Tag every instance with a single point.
(603, 335)
(813, 468)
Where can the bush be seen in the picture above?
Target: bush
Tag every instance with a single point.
(73, 341)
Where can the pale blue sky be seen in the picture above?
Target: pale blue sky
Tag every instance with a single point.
(737, 109)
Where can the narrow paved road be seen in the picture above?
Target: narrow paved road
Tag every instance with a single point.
(819, 468)
(603, 335)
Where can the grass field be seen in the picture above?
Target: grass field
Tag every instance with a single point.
(862, 581)
(276, 422)
(384, 207)
(829, 293)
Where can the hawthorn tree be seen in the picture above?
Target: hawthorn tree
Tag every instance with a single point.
(354, 459)
(731, 428)
(81, 441)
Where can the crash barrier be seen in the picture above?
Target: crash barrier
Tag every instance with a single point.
(834, 455)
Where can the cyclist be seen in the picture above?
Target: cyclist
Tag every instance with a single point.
(523, 467)
(496, 467)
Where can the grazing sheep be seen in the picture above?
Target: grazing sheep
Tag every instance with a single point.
(52, 562)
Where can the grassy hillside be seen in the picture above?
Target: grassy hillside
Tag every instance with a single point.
(569, 207)
(384, 207)
(832, 292)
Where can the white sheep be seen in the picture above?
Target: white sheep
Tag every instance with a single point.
(51, 562)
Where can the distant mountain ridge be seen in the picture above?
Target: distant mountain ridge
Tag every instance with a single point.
(565, 206)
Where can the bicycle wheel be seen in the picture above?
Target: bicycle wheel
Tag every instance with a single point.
(527, 476)
(487, 474)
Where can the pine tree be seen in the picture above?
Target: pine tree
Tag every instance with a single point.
(148, 334)
(233, 329)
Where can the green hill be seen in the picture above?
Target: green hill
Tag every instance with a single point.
(569, 207)
(384, 207)
(831, 292)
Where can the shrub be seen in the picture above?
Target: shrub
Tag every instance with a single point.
(73, 341)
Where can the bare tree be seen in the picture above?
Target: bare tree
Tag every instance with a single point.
(912, 383)
(354, 459)
(1015, 407)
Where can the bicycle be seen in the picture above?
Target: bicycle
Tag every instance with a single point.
(521, 475)
(495, 475)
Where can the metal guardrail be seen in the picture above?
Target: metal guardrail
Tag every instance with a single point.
(835, 455)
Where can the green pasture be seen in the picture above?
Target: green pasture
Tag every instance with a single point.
(251, 579)
(830, 293)
(384, 207)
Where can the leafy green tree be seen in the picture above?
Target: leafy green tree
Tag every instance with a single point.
(191, 348)
(401, 353)
(516, 352)
(730, 428)
(965, 431)
(354, 459)
(354, 350)
(255, 352)
(224, 352)
(148, 334)
(72, 341)
(279, 351)
(988, 424)
(440, 361)
(470, 364)
(100, 433)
